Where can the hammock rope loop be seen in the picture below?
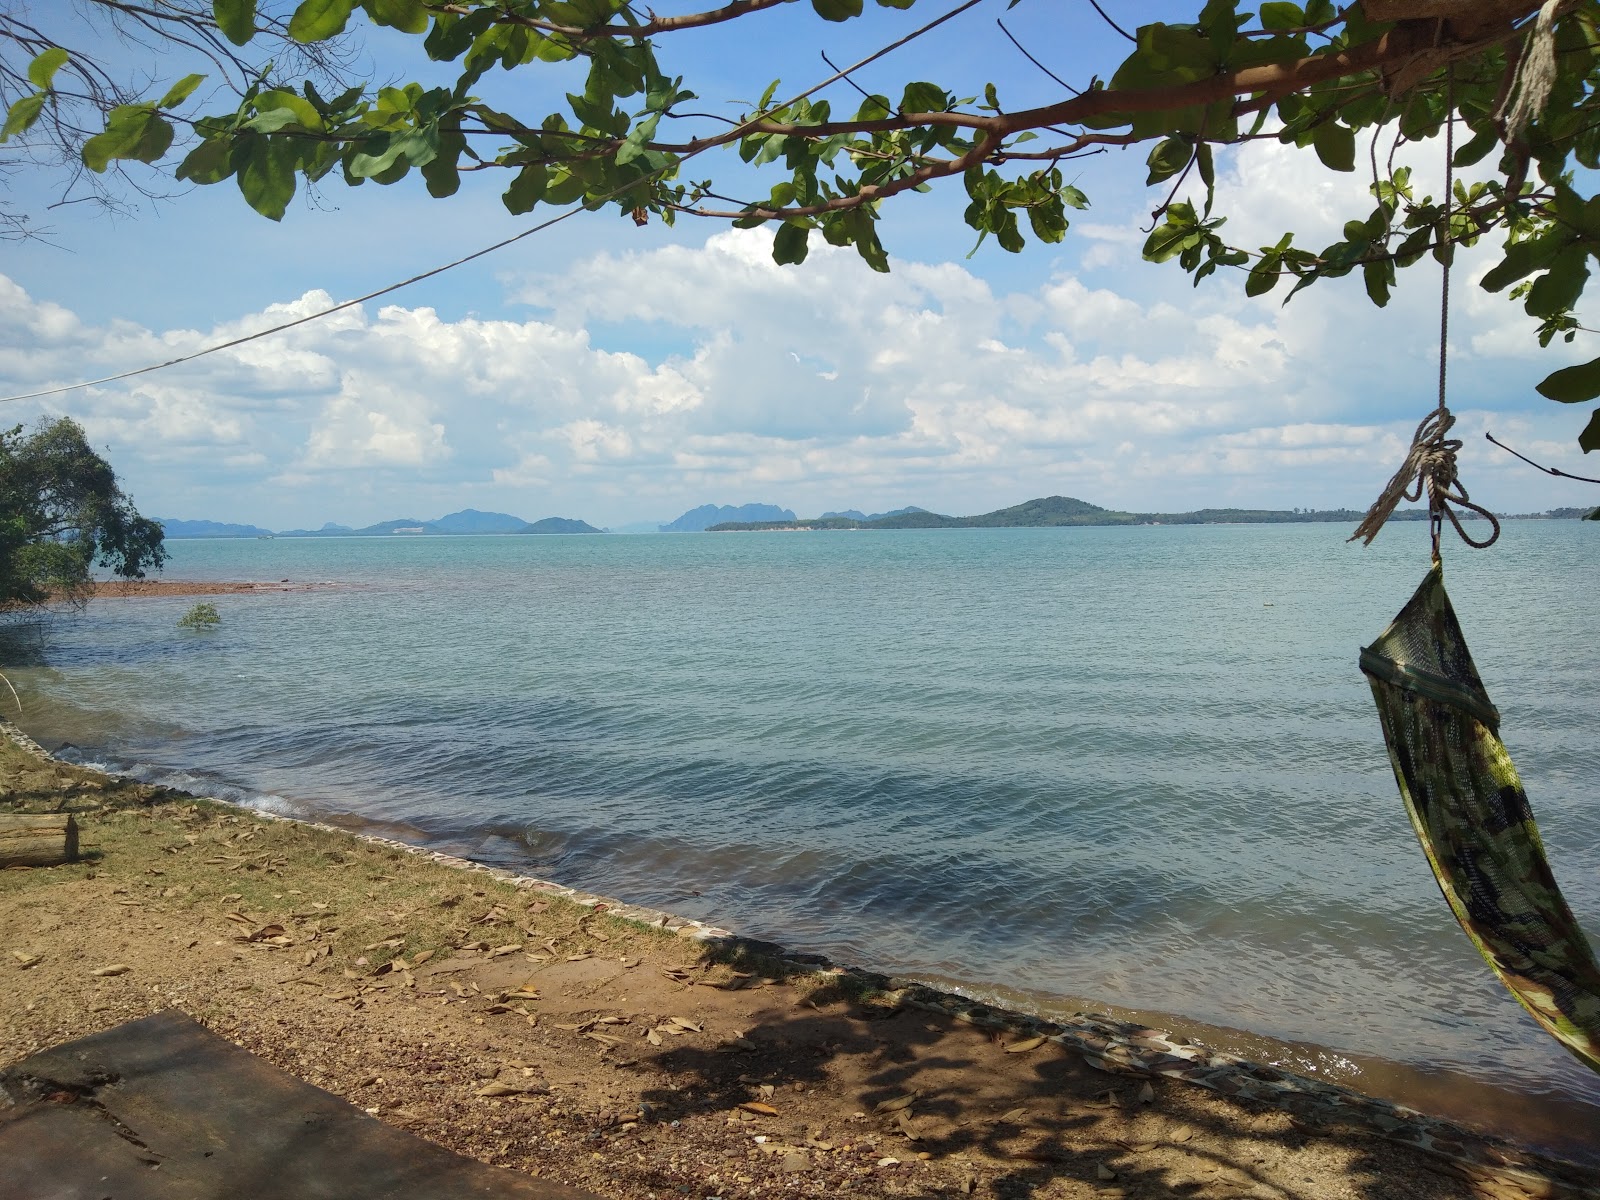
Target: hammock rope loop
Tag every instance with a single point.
(1430, 467)
(1430, 464)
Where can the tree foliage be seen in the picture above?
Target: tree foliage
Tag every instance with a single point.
(1349, 85)
(61, 514)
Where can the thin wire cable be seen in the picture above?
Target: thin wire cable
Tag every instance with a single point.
(1556, 471)
(316, 316)
(502, 244)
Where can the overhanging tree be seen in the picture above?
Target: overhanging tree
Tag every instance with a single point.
(1349, 85)
(62, 513)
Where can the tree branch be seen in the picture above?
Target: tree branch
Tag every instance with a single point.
(644, 29)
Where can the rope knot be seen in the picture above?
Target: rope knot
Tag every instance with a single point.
(1430, 466)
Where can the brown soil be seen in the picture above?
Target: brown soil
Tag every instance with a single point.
(119, 589)
(524, 1030)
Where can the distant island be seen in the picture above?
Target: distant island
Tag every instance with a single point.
(698, 519)
(1046, 512)
(467, 521)
(1057, 511)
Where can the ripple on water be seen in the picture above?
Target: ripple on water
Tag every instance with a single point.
(1088, 761)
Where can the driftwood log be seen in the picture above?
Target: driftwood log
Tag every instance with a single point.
(37, 840)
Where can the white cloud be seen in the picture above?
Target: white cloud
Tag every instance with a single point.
(645, 383)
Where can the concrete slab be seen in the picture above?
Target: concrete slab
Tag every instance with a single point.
(163, 1109)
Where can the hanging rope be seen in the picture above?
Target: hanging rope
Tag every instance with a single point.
(1535, 76)
(1430, 464)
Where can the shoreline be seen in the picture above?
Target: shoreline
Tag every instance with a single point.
(133, 589)
(1106, 1045)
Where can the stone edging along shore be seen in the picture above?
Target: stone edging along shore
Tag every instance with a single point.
(1117, 1047)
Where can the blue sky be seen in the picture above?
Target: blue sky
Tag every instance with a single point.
(616, 374)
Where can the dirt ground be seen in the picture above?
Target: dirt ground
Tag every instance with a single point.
(524, 1030)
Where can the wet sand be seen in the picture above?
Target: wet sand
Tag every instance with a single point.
(123, 589)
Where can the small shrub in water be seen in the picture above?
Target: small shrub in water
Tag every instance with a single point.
(201, 616)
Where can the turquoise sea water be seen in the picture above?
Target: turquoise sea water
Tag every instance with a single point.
(1135, 767)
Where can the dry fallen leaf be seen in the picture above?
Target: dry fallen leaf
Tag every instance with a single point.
(895, 1103)
(1104, 1173)
(501, 951)
(1012, 1116)
(513, 1089)
(418, 959)
(1181, 1134)
(652, 1037)
(1026, 1044)
(755, 1106)
(1147, 1094)
(685, 1023)
(113, 969)
(24, 961)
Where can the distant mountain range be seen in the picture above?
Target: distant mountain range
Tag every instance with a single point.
(1044, 512)
(857, 515)
(1051, 511)
(707, 515)
(467, 521)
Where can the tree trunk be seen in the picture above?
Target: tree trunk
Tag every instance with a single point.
(37, 840)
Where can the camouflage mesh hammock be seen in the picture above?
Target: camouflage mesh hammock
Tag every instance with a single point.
(1472, 817)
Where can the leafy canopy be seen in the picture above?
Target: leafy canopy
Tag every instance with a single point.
(61, 514)
(1347, 84)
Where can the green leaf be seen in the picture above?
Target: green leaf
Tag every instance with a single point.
(236, 19)
(1169, 156)
(1335, 145)
(526, 190)
(267, 178)
(42, 70)
(22, 115)
(181, 91)
(1167, 241)
(132, 131)
(319, 20)
(789, 246)
(1589, 439)
(209, 162)
(837, 10)
(1558, 289)
(1263, 276)
(1573, 385)
(1522, 259)
(1282, 16)
(408, 16)
(277, 110)
(924, 97)
(1378, 276)
(900, 3)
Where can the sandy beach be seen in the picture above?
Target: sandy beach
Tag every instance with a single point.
(640, 1055)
